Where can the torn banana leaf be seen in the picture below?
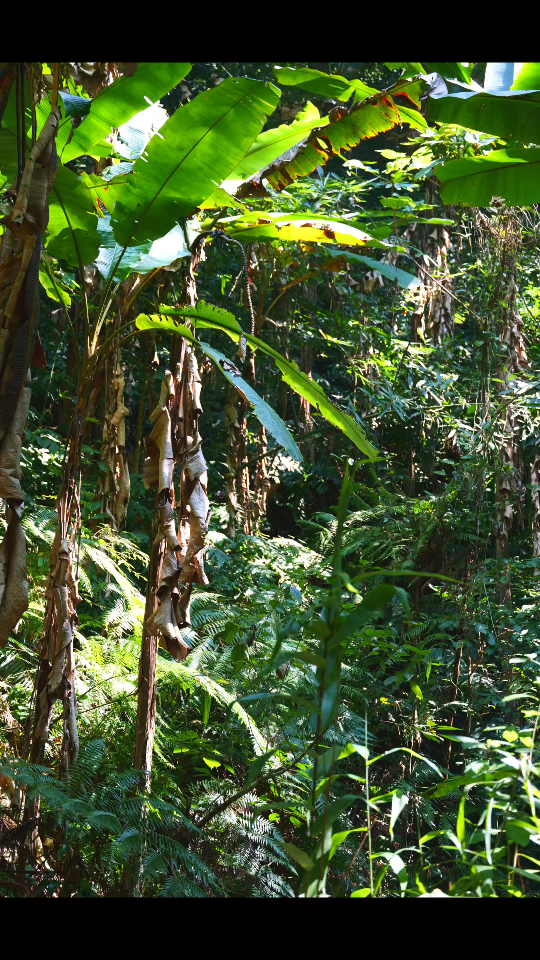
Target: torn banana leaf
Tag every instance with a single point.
(345, 130)
(206, 315)
(296, 227)
(121, 101)
(263, 411)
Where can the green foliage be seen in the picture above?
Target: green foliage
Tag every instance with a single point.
(119, 102)
(199, 146)
(358, 713)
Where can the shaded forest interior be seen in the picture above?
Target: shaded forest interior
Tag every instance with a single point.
(270, 475)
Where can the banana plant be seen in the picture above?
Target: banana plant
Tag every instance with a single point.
(198, 146)
(508, 106)
(216, 137)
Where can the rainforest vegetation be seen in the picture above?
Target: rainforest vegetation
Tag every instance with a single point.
(270, 480)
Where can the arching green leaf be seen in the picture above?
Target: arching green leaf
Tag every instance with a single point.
(205, 315)
(124, 98)
(263, 411)
(512, 115)
(323, 84)
(195, 151)
(72, 223)
(512, 174)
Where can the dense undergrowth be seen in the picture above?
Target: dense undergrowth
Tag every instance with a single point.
(358, 713)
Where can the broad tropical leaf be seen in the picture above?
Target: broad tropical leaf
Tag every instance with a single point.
(323, 84)
(120, 102)
(512, 174)
(271, 144)
(404, 279)
(141, 259)
(196, 150)
(206, 315)
(72, 229)
(297, 227)
(346, 129)
(511, 115)
(263, 411)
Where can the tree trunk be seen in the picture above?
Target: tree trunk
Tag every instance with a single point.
(20, 252)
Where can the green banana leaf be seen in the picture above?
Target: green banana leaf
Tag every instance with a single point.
(405, 280)
(512, 174)
(528, 77)
(323, 84)
(263, 411)
(273, 143)
(120, 102)
(206, 315)
(257, 225)
(511, 115)
(72, 230)
(196, 150)
(141, 259)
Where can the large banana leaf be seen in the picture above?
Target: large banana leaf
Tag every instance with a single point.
(309, 228)
(346, 129)
(510, 115)
(273, 143)
(140, 259)
(512, 174)
(196, 150)
(205, 315)
(263, 411)
(405, 280)
(72, 230)
(323, 84)
(117, 104)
